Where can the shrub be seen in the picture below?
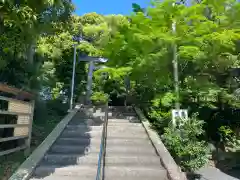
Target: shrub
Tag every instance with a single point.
(229, 138)
(57, 107)
(160, 111)
(99, 98)
(183, 143)
(160, 119)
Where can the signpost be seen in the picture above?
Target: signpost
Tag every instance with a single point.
(181, 114)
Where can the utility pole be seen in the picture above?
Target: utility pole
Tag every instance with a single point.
(175, 67)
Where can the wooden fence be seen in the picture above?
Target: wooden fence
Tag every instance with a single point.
(18, 126)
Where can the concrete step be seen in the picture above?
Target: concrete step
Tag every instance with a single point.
(81, 171)
(122, 117)
(78, 141)
(129, 131)
(143, 138)
(120, 114)
(128, 113)
(124, 120)
(83, 131)
(127, 134)
(75, 149)
(123, 124)
(54, 177)
(70, 159)
(121, 108)
(87, 121)
(130, 126)
(130, 150)
(136, 161)
(81, 134)
(136, 178)
(128, 141)
(132, 178)
(84, 127)
(122, 130)
(81, 116)
(143, 173)
(144, 144)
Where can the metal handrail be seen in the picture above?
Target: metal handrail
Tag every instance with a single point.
(101, 157)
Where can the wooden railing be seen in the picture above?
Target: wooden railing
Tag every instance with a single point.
(22, 129)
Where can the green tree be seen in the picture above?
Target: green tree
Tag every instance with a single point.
(207, 40)
(137, 8)
(206, 49)
(96, 31)
(22, 23)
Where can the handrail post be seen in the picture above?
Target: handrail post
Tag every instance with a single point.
(105, 140)
(102, 153)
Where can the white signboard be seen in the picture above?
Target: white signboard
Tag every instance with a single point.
(179, 113)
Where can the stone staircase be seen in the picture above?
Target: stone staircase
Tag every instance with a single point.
(74, 155)
(129, 152)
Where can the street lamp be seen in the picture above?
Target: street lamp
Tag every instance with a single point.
(77, 39)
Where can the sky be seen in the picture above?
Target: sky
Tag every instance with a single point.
(107, 6)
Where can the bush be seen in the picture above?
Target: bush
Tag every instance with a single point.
(160, 111)
(49, 109)
(57, 107)
(159, 119)
(99, 98)
(183, 143)
(229, 139)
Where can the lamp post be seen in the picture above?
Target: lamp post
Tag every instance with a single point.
(78, 39)
(73, 76)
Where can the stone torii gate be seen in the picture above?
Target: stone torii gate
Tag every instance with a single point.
(91, 60)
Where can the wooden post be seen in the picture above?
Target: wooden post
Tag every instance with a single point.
(28, 140)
